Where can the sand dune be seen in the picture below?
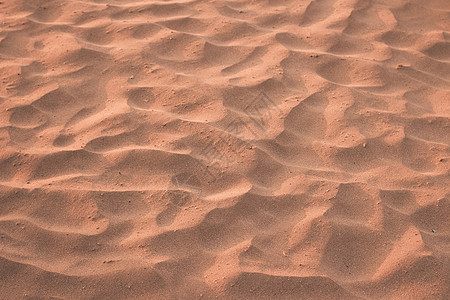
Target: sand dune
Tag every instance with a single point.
(241, 149)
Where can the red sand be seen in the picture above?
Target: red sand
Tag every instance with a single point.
(267, 149)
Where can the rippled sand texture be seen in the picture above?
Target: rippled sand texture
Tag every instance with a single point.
(274, 149)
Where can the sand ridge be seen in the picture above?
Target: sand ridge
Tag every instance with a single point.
(241, 149)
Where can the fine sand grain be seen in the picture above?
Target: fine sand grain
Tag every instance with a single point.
(180, 149)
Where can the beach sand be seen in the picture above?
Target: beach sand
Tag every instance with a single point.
(273, 149)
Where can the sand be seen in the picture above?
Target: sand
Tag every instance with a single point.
(273, 149)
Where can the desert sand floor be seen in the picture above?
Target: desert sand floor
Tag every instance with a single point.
(273, 149)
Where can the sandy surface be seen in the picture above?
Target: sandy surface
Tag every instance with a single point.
(268, 149)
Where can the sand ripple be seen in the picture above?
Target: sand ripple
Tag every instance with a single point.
(273, 149)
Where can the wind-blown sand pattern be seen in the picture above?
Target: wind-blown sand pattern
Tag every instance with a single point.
(274, 149)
